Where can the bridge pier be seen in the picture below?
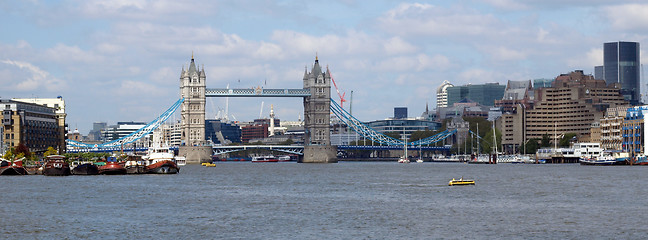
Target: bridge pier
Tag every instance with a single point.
(320, 154)
(196, 154)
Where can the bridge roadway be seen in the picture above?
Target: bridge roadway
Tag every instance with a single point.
(292, 149)
(256, 92)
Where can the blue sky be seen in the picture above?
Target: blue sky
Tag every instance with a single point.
(121, 60)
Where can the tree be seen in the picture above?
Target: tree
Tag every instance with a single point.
(418, 135)
(546, 141)
(531, 146)
(487, 144)
(50, 151)
(22, 148)
(567, 139)
(288, 141)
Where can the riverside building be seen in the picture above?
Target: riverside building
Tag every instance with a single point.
(573, 103)
(35, 125)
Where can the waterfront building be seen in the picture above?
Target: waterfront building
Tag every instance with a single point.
(37, 126)
(219, 132)
(484, 94)
(171, 134)
(59, 105)
(573, 103)
(634, 131)
(442, 94)
(403, 126)
(621, 64)
(610, 128)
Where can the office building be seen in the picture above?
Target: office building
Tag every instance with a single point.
(484, 94)
(621, 64)
(37, 126)
(572, 105)
(400, 112)
(442, 94)
(219, 132)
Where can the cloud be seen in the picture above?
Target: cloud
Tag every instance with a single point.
(427, 20)
(30, 78)
(628, 16)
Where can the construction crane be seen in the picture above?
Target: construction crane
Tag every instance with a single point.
(342, 100)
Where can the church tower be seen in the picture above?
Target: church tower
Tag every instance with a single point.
(192, 89)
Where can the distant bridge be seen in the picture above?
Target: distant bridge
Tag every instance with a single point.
(256, 92)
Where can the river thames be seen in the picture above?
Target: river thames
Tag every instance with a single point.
(346, 200)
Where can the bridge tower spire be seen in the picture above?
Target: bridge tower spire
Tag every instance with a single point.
(317, 117)
(192, 89)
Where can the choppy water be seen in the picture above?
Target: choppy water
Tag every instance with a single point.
(347, 200)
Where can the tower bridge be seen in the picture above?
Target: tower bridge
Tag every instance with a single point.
(318, 105)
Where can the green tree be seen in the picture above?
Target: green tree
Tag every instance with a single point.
(546, 141)
(288, 141)
(567, 139)
(50, 151)
(487, 144)
(531, 146)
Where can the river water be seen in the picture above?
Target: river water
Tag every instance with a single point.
(346, 200)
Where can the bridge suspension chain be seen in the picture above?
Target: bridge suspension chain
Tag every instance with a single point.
(130, 138)
(376, 136)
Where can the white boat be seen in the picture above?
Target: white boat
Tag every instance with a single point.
(266, 158)
(160, 159)
(403, 160)
(180, 160)
(419, 160)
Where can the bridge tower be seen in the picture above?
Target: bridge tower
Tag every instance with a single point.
(317, 116)
(192, 89)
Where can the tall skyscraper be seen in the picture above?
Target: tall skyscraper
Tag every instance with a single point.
(621, 65)
(442, 94)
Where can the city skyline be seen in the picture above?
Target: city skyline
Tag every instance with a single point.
(121, 61)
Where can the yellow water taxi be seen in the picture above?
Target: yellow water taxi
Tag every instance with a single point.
(209, 164)
(461, 181)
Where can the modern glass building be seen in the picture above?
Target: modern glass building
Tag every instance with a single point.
(621, 65)
(400, 112)
(221, 132)
(484, 94)
(403, 126)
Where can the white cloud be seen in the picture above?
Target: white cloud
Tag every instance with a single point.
(31, 78)
(428, 20)
(628, 16)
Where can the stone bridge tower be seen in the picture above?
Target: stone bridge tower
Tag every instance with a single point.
(192, 89)
(317, 116)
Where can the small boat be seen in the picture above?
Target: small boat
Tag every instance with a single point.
(180, 161)
(461, 181)
(604, 160)
(160, 160)
(419, 160)
(112, 168)
(9, 168)
(284, 159)
(267, 158)
(403, 160)
(209, 164)
(85, 168)
(135, 165)
(56, 166)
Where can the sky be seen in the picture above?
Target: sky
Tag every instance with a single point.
(115, 61)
